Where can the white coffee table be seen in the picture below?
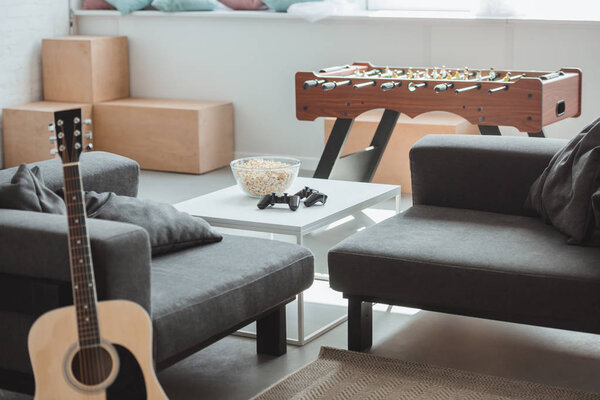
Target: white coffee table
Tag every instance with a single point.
(231, 208)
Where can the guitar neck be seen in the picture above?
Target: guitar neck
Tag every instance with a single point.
(82, 271)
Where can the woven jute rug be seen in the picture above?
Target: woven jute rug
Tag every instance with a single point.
(341, 375)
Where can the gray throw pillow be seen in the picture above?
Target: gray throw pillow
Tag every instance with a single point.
(169, 230)
(567, 194)
(26, 191)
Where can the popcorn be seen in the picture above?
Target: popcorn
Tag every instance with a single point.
(259, 177)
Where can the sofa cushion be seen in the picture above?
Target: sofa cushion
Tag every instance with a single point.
(169, 229)
(127, 6)
(100, 171)
(185, 5)
(563, 194)
(200, 292)
(244, 4)
(283, 5)
(26, 191)
(475, 263)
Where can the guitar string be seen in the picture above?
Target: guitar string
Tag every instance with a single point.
(84, 371)
(92, 290)
(75, 294)
(82, 361)
(86, 256)
(89, 355)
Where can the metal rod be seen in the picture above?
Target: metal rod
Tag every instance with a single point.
(390, 85)
(466, 89)
(364, 84)
(552, 75)
(332, 85)
(498, 89)
(514, 78)
(442, 87)
(372, 72)
(313, 83)
(332, 69)
(414, 86)
(491, 76)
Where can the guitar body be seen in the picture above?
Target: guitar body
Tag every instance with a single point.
(126, 336)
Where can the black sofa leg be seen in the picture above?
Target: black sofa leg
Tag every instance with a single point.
(360, 324)
(271, 333)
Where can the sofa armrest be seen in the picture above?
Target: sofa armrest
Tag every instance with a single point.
(100, 171)
(35, 246)
(487, 173)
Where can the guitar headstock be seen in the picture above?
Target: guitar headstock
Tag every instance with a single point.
(67, 135)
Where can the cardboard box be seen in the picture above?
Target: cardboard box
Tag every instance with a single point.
(167, 135)
(86, 69)
(25, 130)
(394, 167)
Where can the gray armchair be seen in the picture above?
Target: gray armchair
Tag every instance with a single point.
(468, 246)
(195, 296)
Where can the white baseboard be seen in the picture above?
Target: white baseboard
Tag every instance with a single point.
(308, 163)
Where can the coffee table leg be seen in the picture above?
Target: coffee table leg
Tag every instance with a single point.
(300, 241)
(302, 338)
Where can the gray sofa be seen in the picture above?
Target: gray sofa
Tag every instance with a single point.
(195, 296)
(468, 246)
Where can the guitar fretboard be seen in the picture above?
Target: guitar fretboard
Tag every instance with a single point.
(82, 275)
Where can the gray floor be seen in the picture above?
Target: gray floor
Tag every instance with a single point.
(231, 369)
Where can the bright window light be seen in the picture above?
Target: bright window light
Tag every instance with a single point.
(423, 5)
(587, 10)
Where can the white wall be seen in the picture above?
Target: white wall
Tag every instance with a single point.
(251, 60)
(23, 25)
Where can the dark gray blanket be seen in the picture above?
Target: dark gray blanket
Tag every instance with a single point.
(567, 194)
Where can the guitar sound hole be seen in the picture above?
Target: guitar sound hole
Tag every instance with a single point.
(92, 366)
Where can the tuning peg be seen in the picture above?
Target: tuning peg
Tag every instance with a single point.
(51, 127)
(76, 120)
(53, 152)
(52, 139)
(87, 121)
(89, 147)
(88, 135)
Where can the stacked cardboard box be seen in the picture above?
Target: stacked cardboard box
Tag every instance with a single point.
(92, 73)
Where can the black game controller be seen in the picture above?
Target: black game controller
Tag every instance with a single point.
(315, 198)
(312, 196)
(272, 199)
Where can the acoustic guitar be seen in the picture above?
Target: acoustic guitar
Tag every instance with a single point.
(91, 350)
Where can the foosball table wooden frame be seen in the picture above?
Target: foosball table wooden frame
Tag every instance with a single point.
(526, 100)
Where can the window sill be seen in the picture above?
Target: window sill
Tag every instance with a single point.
(404, 16)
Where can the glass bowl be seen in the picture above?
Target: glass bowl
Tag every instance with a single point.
(258, 176)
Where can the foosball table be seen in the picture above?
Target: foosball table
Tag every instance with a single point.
(526, 100)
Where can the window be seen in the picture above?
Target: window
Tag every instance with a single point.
(422, 5)
(526, 9)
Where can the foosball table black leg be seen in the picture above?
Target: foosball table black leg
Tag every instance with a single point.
(536, 134)
(361, 165)
(333, 147)
(489, 130)
(379, 142)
